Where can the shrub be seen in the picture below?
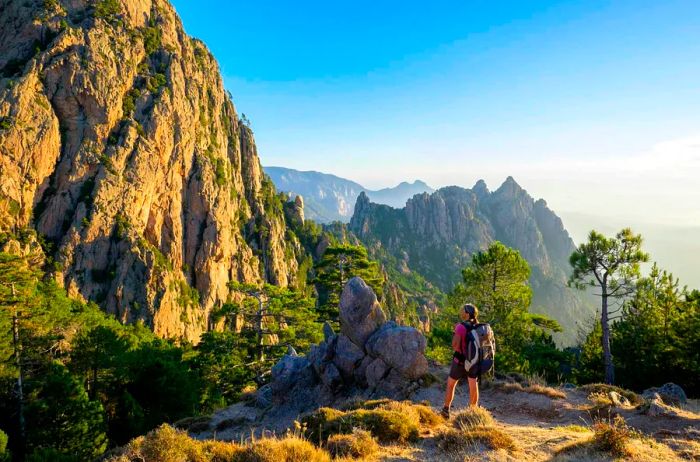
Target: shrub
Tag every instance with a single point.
(151, 39)
(613, 436)
(5, 123)
(452, 440)
(473, 417)
(609, 436)
(383, 424)
(4, 453)
(106, 9)
(360, 443)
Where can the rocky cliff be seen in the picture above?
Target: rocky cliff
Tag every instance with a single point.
(120, 146)
(436, 234)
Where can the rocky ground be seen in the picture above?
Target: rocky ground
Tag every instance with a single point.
(542, 422)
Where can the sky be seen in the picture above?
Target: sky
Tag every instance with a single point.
(592, 105)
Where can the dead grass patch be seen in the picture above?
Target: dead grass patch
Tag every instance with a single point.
(358, 444)
(168, 444)
(512, 387)
(473, 417)
(453, 440)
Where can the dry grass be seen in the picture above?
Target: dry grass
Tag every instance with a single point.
(473, 417)
(385, 425)
(167, 444)
(422, 413)
(512, 387)
(358, 444)
(604, 389)
(454, 441)
(289, 449)
(574, 428)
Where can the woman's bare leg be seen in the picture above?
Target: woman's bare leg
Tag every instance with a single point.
(450, 392)
(473, 392)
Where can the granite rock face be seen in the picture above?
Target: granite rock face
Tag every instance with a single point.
(360, 313)
(120, 146)
(369, 355)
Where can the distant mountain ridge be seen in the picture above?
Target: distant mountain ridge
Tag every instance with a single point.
(435, 235)
(329, 198)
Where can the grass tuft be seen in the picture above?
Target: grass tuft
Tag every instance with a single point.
(358, 444)
(453, 441)
(473, 417)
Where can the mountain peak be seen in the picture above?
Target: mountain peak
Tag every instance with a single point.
(480, 189)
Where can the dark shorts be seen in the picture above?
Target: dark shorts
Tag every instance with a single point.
(458, 372)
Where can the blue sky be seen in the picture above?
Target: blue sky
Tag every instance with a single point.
(552, 93)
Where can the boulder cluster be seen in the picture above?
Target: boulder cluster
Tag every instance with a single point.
(369, 355)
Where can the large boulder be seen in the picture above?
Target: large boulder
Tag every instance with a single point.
(669, 392)
(402, 348)
(360, 313)
(347, 356)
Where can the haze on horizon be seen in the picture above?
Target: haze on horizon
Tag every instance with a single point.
(591, 105)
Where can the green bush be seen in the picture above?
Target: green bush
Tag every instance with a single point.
(107, 9)
(4, 453)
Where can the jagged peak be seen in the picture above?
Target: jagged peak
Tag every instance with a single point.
(480, 188)
(510, 186)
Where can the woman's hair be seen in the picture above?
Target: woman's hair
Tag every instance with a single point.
(472, 311)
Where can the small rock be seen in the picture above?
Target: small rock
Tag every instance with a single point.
(670, 393)
(568, 386)
(291, 351)
(360, 313)
(656, 407)
(618, 400)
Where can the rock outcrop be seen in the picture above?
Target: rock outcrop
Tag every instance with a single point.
(670, 393)
(435, 235)
(369, 356)
(120, 146)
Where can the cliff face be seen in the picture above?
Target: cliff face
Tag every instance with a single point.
(436, 234)
(119, 144)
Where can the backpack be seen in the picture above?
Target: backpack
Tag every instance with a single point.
(480, 348)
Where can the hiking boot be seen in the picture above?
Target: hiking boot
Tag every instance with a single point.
(445, 412)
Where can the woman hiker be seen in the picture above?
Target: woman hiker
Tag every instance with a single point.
(468, 314)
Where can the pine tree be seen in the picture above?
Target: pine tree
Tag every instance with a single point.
(336, 267)
(612, 265)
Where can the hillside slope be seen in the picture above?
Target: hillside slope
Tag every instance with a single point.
(121, 148)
